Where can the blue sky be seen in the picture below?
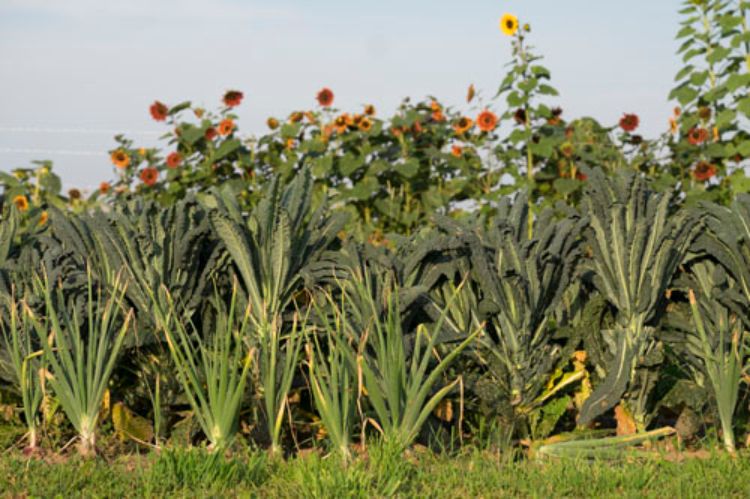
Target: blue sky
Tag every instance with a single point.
(73, 72)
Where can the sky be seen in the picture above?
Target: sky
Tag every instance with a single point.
(73, 73)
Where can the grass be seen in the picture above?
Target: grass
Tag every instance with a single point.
(182, 472)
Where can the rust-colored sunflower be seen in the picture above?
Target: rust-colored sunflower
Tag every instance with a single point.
(629, 122)
(272, 123)
(233, 98)
(463, 125)
(296, 117)
(365, 124)
(438, 116)
(210, 133)
(697, 136)
(520, 116)
(226, 126)
(370, 110)
(21, 202)
(487, 121)
(357, 118)
(457, 151)
(120, 158)
(159, 111)
(104, 187)
(149, 176)
(509, 24)
(325, 97)
(174, 159)
(703, 171)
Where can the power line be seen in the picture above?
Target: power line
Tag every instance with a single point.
(62, 152)
(81, 131)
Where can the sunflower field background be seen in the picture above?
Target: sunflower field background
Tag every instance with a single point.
(511, 279)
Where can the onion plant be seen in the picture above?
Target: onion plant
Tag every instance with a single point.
(333, 382)
(81, 351)
(719, 344)
(398, 381)
(27, 364)
(213, 371)
(271, 248)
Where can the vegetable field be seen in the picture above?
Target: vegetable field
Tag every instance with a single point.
(358, 305)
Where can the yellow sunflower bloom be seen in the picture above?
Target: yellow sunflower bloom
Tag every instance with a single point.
(22, 204)
(509, 24)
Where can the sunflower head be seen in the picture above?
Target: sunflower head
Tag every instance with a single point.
(104, 187)
(703, 171)
(457, 151)
(120, 158)
(226, 126)
(159, 111)
(365, 124)
(463, 125)
(370, 110)
(509, 24)
(21, 202)
(272, 123)
(487, 121)
(233, 98)
(43, 218)
(149, 176)
(74, 194)
(325, 97)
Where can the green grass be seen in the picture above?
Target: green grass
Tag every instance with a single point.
(381, 473)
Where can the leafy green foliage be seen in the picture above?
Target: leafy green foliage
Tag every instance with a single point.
(636, 242)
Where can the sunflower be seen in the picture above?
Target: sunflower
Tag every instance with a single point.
(438, 116)
(463, 125)
(233, 98)
(296, 117)
(43, 217)
(457, 151)
(487, 121)
(104, 187)
(341, 123)
(149, 176)
(174, 160)
(226, 126)
(703, 171)
(159, 111)
(365, 124)
(520, 116)
(704, 113)
(120, 158)
(272, 123)
(370, 110)
(325, 97)
(22, 204)
(629, 122)
(210, 133)
(74, 194)
(509, 24)
(697, 136)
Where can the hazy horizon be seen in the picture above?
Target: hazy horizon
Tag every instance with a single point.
(75, 73)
